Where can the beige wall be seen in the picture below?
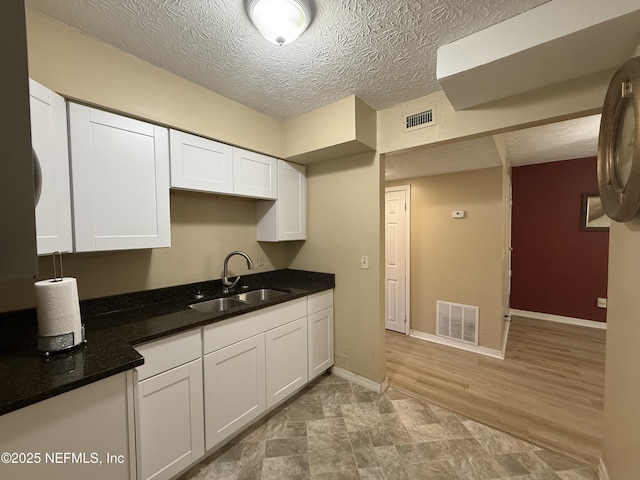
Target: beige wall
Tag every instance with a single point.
(83, 68)
(344, 208)
(458, 260)
(622, 381)
(204, 228)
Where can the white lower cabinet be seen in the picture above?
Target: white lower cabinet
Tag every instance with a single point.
(199, 388)
(320, 332)
(241, 366)
(234, 388)
(171, 421)
(286, 360)
(91, 423)
(169, 410)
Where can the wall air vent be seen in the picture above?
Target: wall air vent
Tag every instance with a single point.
(424, 118)
(457, 321)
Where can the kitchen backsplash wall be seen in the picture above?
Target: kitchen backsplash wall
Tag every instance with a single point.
(204, 229)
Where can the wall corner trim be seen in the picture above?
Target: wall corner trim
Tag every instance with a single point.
(505, 338)
(558, 319)
(362, 381)
(489, 352)
(602, 471)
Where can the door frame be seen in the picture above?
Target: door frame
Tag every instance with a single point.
(407, 293)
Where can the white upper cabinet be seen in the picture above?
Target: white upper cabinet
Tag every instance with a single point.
(50, 144)
(200, 164)
(286, 218)
(254, 174)
(204, 165)
(120, 178)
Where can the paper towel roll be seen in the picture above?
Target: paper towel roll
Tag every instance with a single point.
(58, 308)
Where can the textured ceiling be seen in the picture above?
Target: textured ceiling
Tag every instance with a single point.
(383, 51)
(565, 140)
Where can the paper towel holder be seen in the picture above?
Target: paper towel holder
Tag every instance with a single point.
(65, 341)
(59, 343)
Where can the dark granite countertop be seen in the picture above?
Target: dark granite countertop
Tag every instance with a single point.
(113, 325)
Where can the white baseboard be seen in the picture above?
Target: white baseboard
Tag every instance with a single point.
(362, 381)
(490, 352)
(559, 319)
(602, 471)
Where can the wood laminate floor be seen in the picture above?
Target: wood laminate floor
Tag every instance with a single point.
(548, 390)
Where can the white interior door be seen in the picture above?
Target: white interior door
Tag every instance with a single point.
(397, 258)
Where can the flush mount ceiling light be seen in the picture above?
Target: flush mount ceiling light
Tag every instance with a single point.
(280, 21)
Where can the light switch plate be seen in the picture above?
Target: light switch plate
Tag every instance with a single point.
(458, 214)
(364, 262)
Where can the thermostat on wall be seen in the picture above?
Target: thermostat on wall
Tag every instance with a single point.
(458, 214)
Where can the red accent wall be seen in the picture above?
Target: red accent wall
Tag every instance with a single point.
(556, 267)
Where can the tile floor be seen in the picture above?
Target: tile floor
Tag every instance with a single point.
(336, 430)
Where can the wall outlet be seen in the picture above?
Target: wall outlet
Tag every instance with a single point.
(261, 259)
(602, 302)
(458, 214)
(364, 262)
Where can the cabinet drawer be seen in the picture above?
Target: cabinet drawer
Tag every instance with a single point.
(227, 332)
(162, 355)
(319, 301)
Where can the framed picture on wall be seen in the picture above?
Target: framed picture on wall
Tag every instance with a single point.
(592, 217)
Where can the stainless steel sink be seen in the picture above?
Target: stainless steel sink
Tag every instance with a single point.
(217, 305)
(260, 295)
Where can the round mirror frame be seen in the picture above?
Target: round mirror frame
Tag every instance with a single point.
(621, 202)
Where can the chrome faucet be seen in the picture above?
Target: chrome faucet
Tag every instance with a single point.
(226, 283)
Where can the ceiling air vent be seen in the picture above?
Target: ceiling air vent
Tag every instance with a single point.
(424, 118)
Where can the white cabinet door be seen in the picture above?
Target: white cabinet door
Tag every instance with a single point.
(234, 388)
(50, 142)
(286, 218)
(286, 360)
(200, 164)
(171, 421)
(254, 174)
(320, 326)
(120, 178)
